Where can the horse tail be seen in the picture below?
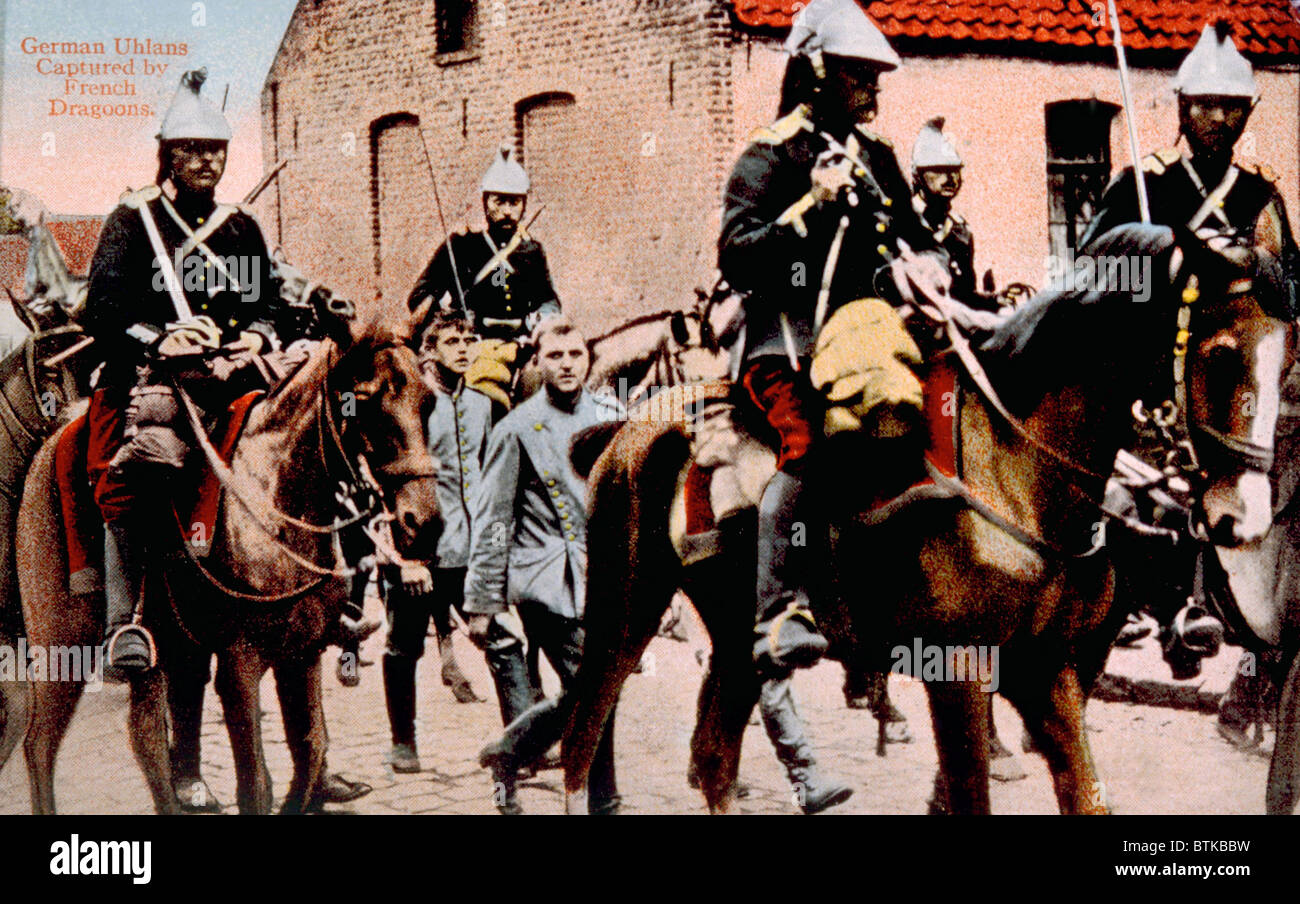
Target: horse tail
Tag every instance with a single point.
(630, 493)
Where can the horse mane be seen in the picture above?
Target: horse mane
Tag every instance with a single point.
(1069, 311)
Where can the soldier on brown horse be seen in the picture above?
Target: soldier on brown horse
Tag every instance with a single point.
(1008, 561)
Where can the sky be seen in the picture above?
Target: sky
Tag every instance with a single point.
(82, 164)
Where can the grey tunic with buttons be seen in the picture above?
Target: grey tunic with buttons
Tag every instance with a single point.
(458, 438)
(528, 541)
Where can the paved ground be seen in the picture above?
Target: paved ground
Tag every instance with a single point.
(1151, 760)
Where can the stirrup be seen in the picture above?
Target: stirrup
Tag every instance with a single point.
(809, 655)
(132, 628)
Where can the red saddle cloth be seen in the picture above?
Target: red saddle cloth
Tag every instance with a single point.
(82, 522)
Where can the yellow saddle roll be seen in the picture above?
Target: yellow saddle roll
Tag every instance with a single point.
(491, 372)
(863, 362)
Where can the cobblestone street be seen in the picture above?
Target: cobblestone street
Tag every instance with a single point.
(1150, 760)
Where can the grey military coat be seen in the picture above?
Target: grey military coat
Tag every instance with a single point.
(458, 438)
(528, 541)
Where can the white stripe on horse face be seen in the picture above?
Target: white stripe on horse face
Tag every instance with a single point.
(1268, 382)
(1256, 493)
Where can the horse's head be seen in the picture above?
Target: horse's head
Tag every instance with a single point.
(1241, 344)
(392, 405)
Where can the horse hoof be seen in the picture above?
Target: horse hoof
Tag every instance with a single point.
(194, 796)
(338, 790)
(1007, 769)
(575, 803)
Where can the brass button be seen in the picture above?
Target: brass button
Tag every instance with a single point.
(572, 537)
(888, 202)
(881, 250)
(550, 483)
(881, 227)
(233, 322)
(537, 426)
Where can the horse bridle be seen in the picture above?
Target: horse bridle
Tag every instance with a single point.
(331, 439)
(1180, 451)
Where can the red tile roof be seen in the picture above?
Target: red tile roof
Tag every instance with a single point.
(1263, 28)
(77, 237)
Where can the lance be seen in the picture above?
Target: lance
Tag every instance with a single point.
(1144, 206)
(442, 222)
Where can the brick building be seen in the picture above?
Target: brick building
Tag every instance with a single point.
(629, 113)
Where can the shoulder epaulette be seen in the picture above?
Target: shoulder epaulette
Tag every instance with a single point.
(1255, 168)
(1160, 161)
(140, 197)
(878, 139)
(784, 128)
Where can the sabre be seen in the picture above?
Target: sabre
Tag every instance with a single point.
(1144, 206)
(265, 181)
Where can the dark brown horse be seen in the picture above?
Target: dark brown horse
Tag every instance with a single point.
(269, 592)
(1012, 571)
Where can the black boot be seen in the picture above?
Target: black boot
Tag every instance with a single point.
(129, 648)
(787, 636)
(399, 694)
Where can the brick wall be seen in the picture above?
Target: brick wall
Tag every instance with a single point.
(624, 107)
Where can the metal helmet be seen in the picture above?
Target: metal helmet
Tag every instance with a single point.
(932, 147)
(190, 116)
(505, 176)
(1215, 66)
(841, 28)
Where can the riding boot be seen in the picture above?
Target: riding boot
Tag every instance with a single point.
(506, 661)
(399, 695)
(129, 647)
(787, 636)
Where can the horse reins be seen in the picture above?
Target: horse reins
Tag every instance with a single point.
(228, 482)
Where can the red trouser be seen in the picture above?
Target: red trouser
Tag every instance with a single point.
(788, 404)
(104, 424)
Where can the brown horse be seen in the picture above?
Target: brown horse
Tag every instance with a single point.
(1010, 567)
(269, 592)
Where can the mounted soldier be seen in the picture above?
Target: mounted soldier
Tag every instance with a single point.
(1205, 189)
(1222, 200)
(175, 277)
(497, 278)
(937, 178)
(816, 207)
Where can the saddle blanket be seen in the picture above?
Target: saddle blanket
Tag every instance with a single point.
(729, 468)
(82, 522)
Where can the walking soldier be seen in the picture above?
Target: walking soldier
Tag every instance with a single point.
(529, 550)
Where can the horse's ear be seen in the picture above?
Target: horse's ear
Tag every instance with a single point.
(23, 313)
(1269, 231)
(681, 332)
(337, 315)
